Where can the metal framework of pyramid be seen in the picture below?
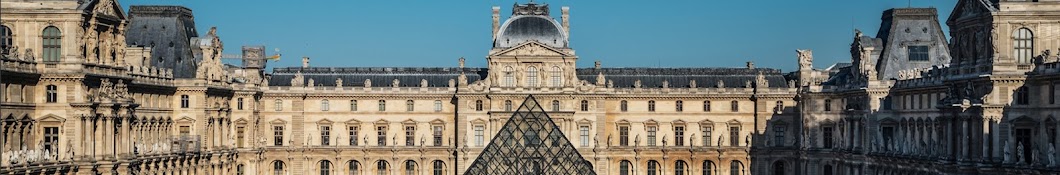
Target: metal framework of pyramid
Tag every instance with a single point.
(530, 143)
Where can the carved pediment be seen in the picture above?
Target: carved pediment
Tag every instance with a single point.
(108, 8)
(969, 8)
(532, 49)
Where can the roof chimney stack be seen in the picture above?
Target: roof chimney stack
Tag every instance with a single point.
(496, 20)
(750, 65)
(305, 62)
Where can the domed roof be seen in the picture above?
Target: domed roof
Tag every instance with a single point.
(522, 28)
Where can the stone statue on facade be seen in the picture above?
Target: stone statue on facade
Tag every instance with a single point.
(395, 83)
(692, 83)
(666, 84)
(636, 84)
(610, 84)
(1019, 153)
(1051, 155)
(29, 56)
(338, 82)
(600, 78)
(311, 83)
(367, 83)
(12, 53)
(452, 83)
(805, 59)
(297, 80)
(721, 84)
(423, 83)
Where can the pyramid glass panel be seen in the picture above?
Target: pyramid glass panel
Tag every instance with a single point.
(531, 144)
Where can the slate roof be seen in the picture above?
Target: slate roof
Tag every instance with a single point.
(168, 31)
(380, 76)
(680, 77)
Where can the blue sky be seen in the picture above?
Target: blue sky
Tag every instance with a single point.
(673, 33)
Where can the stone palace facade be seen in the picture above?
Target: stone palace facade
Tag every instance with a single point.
(88, 88)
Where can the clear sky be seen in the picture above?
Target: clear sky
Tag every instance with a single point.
(620, 33)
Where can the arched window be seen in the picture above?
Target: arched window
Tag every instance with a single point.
(679, 167)
(409, 105)
(439, 167)
(624, 168)
(531, 77)
(5, 40)
(680, 106)
(827, 170)
(437, 105)
(653, 167)
(381, 167)
(279, 105)
(651, 105)
(624, 106)
(708, 167)
(555, 105)
(778, 168)
(556, 80)
(354, 167)
(509, 77)
(706, 106)
(1023, 45)
(325, 167)
(184, 101)
(507, 105)
(478, 105)
(735, 106)
(410, 167)
(735, 167)
(52, 93)
(353, 105)
(585, 105)
(324, 105)
(52, 44)
(240, 169)
(277, 167)
(382, 105)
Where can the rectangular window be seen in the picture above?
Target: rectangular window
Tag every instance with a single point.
(679, 136)
(707, 132)
(623, 135)
(239, 136)
(380, 132)
(584, 132)
(888, 135)
(410, 136)
(277, 135)
(651, 135)
(826, 136)
(734, 136)
(185, 130)
(51, 139)
(478, 135)
(918, 53)
(1052, 93)
(437, 135)
(239, 104)
(325, 135)
(778, 135)
(353, 105)
(827, 105)
(353, 135)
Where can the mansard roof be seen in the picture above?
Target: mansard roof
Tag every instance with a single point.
(380, 76)
(168, 30)
(681, 77)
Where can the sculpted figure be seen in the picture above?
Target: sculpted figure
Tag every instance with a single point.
(338, 82)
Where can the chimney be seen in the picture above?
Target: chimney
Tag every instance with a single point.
(496, 20)
(566, 19)
(750, 65)
(305, 62)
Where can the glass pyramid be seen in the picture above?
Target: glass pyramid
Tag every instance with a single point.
(530, 143)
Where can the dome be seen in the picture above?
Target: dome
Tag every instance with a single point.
(522, 28)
